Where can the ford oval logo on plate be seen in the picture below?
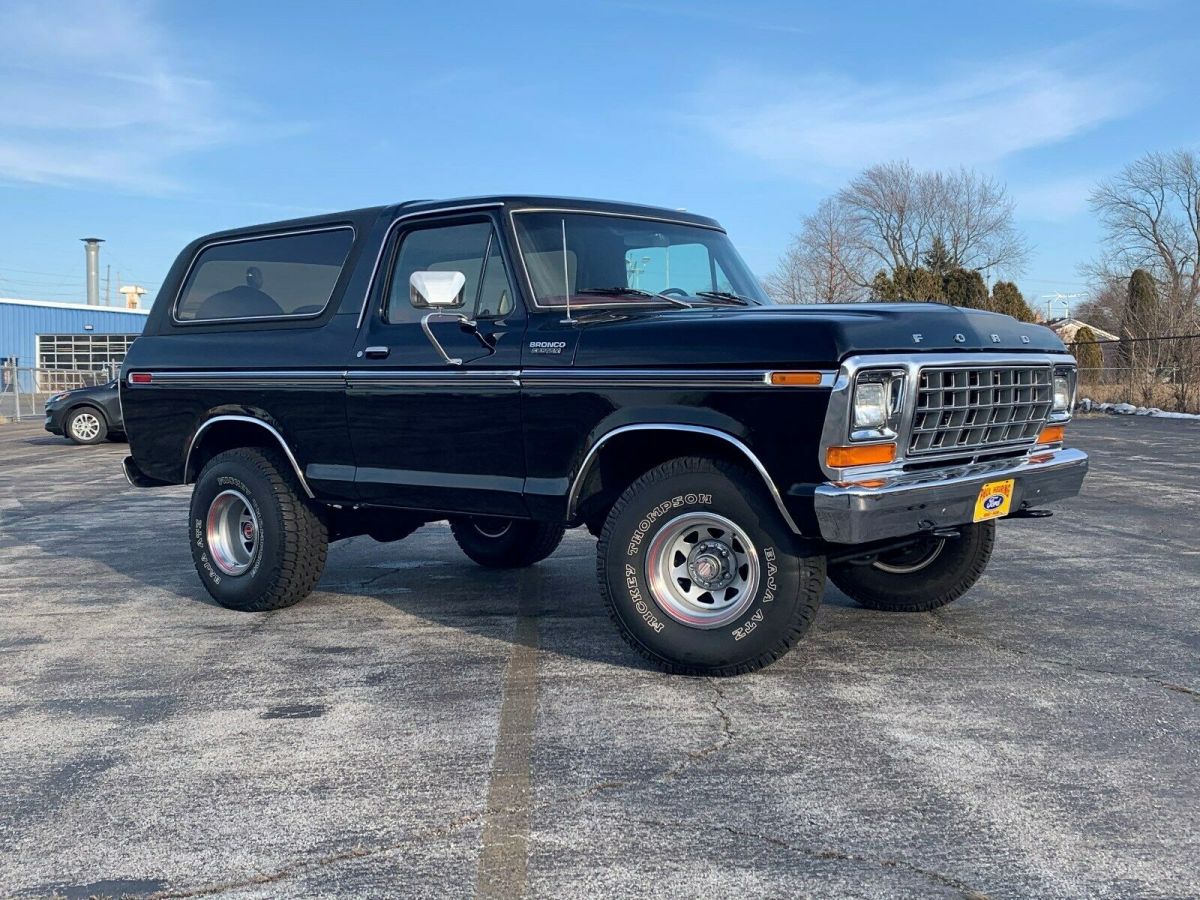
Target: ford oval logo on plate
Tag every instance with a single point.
(993, 502)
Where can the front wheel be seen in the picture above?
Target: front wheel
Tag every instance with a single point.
(921, 577)
(256, 541)
(695, 565)
(506, 543)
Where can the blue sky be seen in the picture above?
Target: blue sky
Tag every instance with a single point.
(149, 123)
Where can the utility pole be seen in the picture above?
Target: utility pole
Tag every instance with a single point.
(107, 285)
(1064, 299)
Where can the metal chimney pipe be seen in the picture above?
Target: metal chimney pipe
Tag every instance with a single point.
(91, 248)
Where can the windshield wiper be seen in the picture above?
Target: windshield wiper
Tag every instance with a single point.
(635, 292)
(726, 297)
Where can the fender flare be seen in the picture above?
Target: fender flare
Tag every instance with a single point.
(590, 457)
(189, 476)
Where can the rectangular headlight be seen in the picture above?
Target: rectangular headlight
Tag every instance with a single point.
(1062, 393)
(876, 405)
(870, 405)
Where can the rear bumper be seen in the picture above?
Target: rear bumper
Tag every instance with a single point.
(919, 501)
(137, 477)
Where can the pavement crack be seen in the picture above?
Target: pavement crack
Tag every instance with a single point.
(300, 867)
(724, 737)
(833, 854)
(941, 625)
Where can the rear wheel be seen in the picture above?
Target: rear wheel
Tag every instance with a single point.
(696, 567)
(921, 577)
(256, 541)
(86, 426)
(506, 543)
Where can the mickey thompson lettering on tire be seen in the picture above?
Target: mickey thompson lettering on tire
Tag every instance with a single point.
(635, 542)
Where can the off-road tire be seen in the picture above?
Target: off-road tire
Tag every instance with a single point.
(950, 575)
(102, 431)
(292, 541)
(506, 543)
(781, 608)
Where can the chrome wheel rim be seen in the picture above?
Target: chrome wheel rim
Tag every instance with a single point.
(85, 426)
(492, 528)
(232, 531)
(702, 569)
(911, 559)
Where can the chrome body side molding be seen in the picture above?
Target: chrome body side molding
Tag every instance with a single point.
(590, 457)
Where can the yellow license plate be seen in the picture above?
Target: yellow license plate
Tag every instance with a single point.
(994, 500)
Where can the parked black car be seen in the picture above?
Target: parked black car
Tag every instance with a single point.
(87, 415)
(524, 365)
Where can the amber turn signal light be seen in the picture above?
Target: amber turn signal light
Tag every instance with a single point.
(867, 455)
(795, 379)
(1052, 434)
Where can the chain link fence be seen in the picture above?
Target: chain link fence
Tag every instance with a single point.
(1159, 372)
(24, 391)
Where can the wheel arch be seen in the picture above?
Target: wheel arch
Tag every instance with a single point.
(227, 432)
(608, 465)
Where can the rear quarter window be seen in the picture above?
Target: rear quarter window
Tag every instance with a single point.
(265, 277)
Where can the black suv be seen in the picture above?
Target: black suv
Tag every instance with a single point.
(523, 365)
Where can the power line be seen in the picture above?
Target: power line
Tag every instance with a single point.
(1133, 340)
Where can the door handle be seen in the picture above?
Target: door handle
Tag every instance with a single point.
(376, 352)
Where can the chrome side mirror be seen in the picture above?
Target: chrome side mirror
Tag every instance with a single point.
(438, 290)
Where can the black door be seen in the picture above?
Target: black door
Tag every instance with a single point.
(428, 433)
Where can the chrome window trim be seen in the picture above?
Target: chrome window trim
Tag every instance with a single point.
(590, 456)
(387, 236)
(250, 239)
(836, 430)
(512, 213)
(187, 462)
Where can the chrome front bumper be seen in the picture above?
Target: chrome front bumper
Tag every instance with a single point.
(938, 498)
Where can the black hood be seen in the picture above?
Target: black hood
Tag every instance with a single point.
(818, 335)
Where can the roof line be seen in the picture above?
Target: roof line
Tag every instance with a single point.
(80, 306)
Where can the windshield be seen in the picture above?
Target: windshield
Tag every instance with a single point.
(610, 259)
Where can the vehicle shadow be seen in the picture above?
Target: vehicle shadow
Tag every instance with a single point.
(424, 577)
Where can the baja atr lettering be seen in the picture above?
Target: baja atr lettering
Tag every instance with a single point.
(639, 533)
(742, 630)
(772, 570)
(635, 594)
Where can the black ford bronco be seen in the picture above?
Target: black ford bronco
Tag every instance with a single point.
(524, 365)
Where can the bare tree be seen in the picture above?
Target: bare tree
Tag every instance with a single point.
(1150, 213)
(973, 215)
(896, 213)
(824, 262)
(887, 219)
(1151, 218)
(884, 209)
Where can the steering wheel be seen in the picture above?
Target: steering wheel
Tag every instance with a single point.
(680, 291)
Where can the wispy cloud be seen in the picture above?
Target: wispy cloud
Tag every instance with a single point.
(693, 10)
(90, 93)
(1056, 199)
(817, 126)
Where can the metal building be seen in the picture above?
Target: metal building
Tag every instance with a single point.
(47, 347)
(46, 337)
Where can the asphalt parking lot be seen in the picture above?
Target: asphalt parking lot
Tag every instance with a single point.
(421, 726)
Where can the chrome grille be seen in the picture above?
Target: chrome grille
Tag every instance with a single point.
(977, 408)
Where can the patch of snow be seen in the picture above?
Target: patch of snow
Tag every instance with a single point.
(1128, 409)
